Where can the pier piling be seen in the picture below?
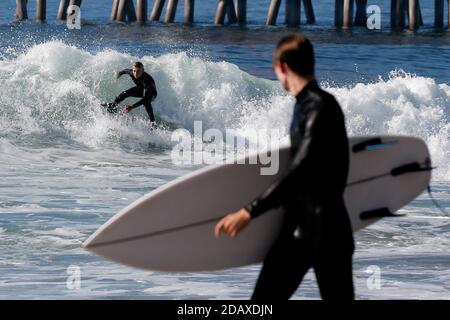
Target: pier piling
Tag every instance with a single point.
(62, 11)
(413, 15)
(309, 12)
(241, 10)
(220, 12)
(227, 8)
(361, 13)
(293, 13)
(121, 11)
(398, 14)
(339, 13)
(115, 7)
(420, 14)
(272, 15)
(21, 10)
(126, 11)
(439, 13)
(141, 13)
(348, 13)
(157, 10)
(231, 12)
(189, 11)
(171, 11)
(130, 11)
(41, 10)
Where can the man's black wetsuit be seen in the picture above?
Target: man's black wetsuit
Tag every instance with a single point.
(316, 230)
(145, 89)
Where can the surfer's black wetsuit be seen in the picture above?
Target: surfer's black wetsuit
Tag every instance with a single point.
(145, 89)
(316, 230)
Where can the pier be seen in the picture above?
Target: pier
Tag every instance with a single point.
(405, 14)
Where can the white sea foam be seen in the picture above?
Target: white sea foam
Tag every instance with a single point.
(53, 91)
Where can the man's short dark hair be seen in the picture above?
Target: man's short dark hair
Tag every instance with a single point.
(138, 65)
(297, 52)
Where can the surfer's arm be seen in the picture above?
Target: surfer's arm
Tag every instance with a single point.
(233, 223)
(288, 184)
(280, 191)
(124, 71)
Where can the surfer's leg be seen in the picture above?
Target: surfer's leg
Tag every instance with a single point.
(148, 106)
(132, 92)
(149, 109)
(283, 270)
(335, 276)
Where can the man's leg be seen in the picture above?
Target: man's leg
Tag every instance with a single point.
(132, 92)
(149, 109)
(148, 106)
(284, 268)
(334, 275)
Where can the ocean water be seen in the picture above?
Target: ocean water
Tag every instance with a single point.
(66, 167)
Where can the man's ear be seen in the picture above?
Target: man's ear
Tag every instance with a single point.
(283, 67)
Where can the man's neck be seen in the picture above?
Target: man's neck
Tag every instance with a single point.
(298, 83)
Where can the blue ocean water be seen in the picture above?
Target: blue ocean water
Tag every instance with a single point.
(66, 167)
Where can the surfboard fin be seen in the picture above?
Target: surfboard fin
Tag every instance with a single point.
(378, 213)
(362, 145)
(410, 167)
(372, 144)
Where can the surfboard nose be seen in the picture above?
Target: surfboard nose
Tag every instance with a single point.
(85, 244)
(89, 243)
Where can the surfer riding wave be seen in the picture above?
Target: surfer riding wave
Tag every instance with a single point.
(145, 88)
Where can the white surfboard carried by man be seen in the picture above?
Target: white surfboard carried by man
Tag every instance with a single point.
(171, 228)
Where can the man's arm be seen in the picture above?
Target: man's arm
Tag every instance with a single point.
(285, 186)
(124, 71)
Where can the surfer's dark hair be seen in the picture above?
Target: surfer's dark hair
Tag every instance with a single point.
(297, 52)
(138, 65)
